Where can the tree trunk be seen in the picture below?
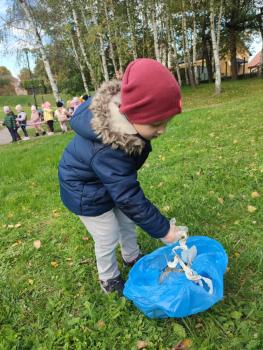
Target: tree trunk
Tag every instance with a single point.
(116, 36)
(233, 52)
(186, 48)
(215, 44)
(131, 29)
(38, 39)
(194, 48)
(260, 24)
(110, 39)
(79, 64)
(155, 33)
(102, 51)
(81, 45)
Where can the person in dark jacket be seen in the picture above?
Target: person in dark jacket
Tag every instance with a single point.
(21, 120)
(10, 123)
(98, 170)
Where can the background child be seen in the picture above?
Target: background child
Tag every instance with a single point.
(10, 123)
(98, 170)
(36, 121)
(62, 114)
(21, 120)
(48, 117)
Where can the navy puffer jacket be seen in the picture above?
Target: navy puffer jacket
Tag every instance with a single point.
(98, 169)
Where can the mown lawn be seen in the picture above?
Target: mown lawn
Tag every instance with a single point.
(207, 171)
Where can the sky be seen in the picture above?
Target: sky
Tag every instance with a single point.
(15, 64)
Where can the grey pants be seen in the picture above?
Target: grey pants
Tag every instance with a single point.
(108, 231)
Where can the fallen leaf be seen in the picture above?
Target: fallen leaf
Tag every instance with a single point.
(10, 226)
(220, 200)
(18, 242)
(166, 208)
(101, 324)
(183, 345)
(236, 315)
(37, 244)
(227, 269)
(160, 184)
(255, 194)
(18, 225)
(85, 238)
(30, 281)
(199, 325)
(69, 259)
(251, 208)
(54, 264)
(237, 254)
(142, 344)
(236, 222)
(55, 213)
(231, 196)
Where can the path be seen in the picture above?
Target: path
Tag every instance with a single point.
(5, 137)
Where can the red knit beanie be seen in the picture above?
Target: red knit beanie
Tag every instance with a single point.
(149, 92)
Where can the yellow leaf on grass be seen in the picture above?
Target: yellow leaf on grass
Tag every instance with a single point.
(55, 213)
(54, 264)
(10, 226)
(251, 208)
(255, 194)
(101, 324)
(37, 244)
(18, 225)
(85, 238)
(30, 281)
(237, 254)
(220, 200)
(142, 344)
(166, 208)
(183, 345)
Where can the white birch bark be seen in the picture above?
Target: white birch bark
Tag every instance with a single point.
(186, 48)
(41, 47)
(116, 39)
(101, 41)
(175, 57)
(131, 28)
(215, 42)
(112, 56)
(81, 45)
(79, 64)
(194, 45)
(155, 33)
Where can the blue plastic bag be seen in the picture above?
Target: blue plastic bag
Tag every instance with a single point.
(177, 296)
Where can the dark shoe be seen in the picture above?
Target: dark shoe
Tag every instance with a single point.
(133, 262)
(37, 134)
(113, 285)
(43, 133)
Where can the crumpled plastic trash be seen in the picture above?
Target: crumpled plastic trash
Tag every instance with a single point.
(178, 296)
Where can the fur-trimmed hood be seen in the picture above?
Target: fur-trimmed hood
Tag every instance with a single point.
(110, 124)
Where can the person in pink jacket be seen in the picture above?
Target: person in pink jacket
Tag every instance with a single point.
(36, 121)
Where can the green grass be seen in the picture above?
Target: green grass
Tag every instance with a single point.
(202, 171)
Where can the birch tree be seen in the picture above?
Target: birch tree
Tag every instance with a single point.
(79, 64)
(94, 11)
(81, 45)
(155, 32)
(193, 7)
(215, 36)
(40, 46)
(131, 27)
(187, 55)
(110, 36)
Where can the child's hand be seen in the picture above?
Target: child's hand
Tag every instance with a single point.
(175, 234)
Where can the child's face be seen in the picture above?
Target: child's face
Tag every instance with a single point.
(151, 131)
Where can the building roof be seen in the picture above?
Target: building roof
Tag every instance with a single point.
(255, 61)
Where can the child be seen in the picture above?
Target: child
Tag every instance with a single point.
(62, 114)
(98, 170)
(48, 117)
(10, 123)
(21, 120)
(36, 121)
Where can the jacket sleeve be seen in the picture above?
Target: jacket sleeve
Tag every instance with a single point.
(117, 172)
